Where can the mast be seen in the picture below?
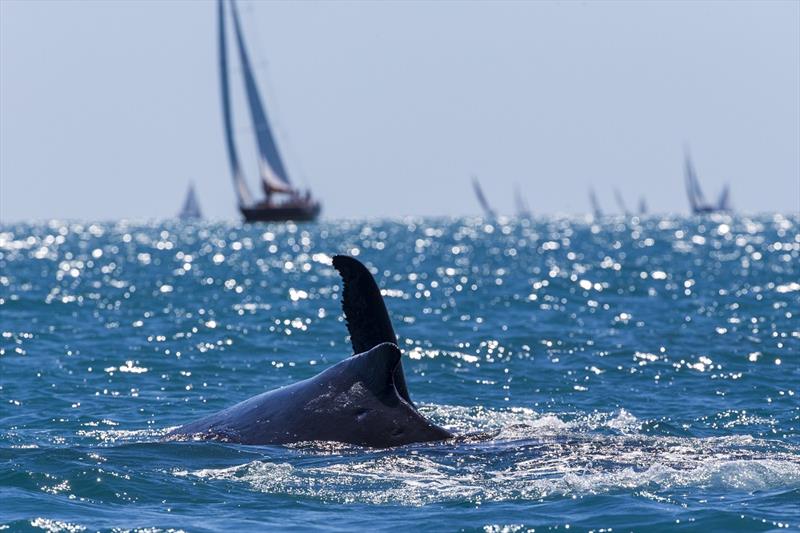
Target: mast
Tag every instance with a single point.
(273, 173)
(243, 195)
(488, 211)
(598, 213)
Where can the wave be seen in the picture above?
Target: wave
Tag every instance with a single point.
(533, 456)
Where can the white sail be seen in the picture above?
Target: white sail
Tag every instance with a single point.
(269, 180)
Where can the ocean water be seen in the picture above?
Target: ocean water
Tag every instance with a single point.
(636, 374)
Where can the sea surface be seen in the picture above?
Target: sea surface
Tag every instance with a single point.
(636, 374)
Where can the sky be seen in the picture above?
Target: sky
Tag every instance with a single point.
(109, 109)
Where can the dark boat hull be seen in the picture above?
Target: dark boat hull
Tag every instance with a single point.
(281, 213)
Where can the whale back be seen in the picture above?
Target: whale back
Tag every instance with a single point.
(365, 313)
(355, 401)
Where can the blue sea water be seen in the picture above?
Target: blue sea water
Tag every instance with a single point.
(636, 374)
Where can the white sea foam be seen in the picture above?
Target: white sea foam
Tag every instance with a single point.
(420, 480)
(113, 436)
(535, 456)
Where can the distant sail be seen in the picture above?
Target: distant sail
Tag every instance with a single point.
(688, 175)
(523, 211)
(243, 194)
(596, 211)
(725, 199)
(698, 192)
(488, 211)
(697, 200)
(191, 207)
(621, 203)
(271, 168)
(642, 205)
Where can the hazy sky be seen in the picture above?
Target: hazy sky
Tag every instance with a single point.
(109, 108)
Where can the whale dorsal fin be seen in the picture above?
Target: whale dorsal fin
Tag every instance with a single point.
(365, 312)
(376, 368)
(367, 318)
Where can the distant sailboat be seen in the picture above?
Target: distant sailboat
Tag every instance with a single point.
(281, 200)
(724, 203)
(642, 205)
(621, 203)
(697, 200)
(523, 211)
(596, 211)
(191, 207)
(487, 209)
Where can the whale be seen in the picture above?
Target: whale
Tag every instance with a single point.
(361, 400)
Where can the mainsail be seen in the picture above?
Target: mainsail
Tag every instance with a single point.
(191, 207)
(243, 195)
(273, 173)
(490, 213)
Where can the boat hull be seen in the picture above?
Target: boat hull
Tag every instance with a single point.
(281, 213)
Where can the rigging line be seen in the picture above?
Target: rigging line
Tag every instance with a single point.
(261, 65)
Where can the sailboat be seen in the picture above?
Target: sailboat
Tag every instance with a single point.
(523, 211)
(621, 203)
(642, 205)
(281, 200)
(596, 211)
(697, 201)
(724, 203)
(487, 209)
(191, 207)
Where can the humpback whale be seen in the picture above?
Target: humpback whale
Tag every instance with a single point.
(361, 400)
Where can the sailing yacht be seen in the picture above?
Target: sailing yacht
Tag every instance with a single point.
(642, 205)
(597, 212)
(191, 207)
(487, 209)
(697, 201)
(281, 200)
(523, 210)
(621, 203)
(724, 203)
